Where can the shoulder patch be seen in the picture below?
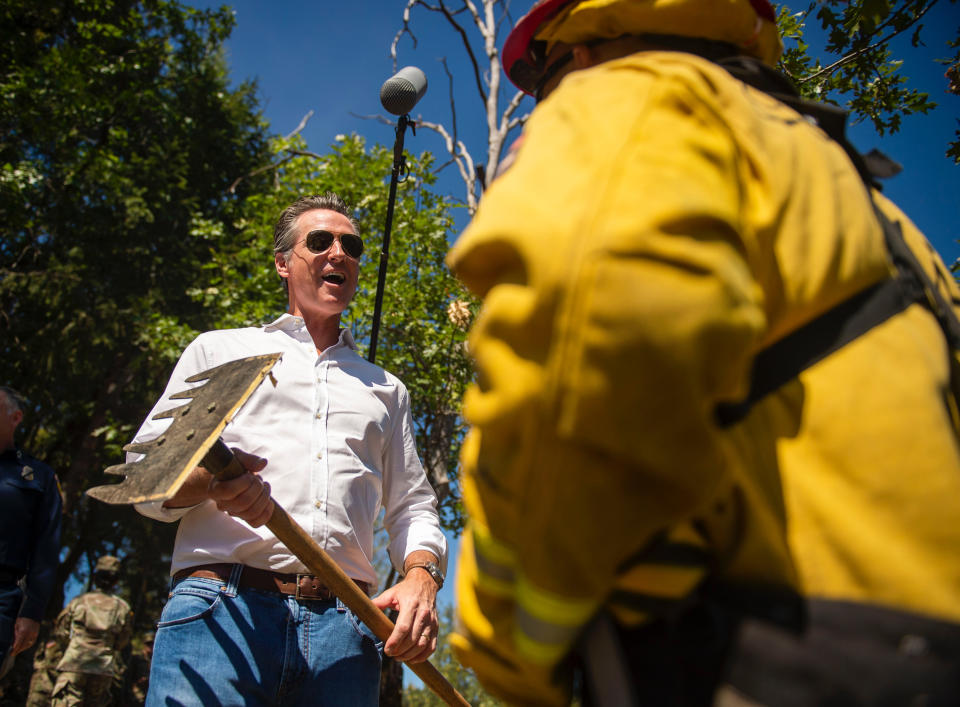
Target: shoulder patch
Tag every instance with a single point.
(508, 160)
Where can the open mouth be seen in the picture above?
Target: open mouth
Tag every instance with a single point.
(335, 278)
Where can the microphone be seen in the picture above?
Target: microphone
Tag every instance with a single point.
(400, 93)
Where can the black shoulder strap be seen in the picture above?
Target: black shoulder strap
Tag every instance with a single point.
(787, 358)
(781, 362)
(914, 277)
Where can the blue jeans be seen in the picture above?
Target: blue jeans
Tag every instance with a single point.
(217, 645)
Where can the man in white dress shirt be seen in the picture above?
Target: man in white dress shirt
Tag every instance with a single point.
(332, 441)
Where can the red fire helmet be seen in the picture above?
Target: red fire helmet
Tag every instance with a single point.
(748, 24)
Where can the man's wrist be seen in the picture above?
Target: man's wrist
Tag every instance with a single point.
(430, 568)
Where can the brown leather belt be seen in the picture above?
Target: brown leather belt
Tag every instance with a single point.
(301, 586)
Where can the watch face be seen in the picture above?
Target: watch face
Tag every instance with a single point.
(435, 572)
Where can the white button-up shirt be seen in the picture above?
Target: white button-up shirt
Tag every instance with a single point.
(337, 434)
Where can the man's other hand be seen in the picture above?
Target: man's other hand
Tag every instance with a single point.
(246, 497)
(25, 632)
(414, 637)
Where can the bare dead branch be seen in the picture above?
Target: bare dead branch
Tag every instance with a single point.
(466, 45)
(259, 170)
(405, 29)
(505, 16)
(442, 167)
(374, 116)
(274, 166)
(305, 153)
(514, 103)
(461, 156)
(301, 126)
(453, 103)
(469, 6)
(291, 153)
(518, 121)
(487, 76)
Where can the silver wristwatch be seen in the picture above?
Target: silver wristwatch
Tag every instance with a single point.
(430, 567)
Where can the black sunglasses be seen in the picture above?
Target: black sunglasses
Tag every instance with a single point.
(548, 74)
(540, 83)
(320, 241)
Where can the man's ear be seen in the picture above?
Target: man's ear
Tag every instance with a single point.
(283, 270)
(584, 57)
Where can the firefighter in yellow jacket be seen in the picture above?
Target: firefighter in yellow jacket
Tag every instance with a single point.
(714, 445)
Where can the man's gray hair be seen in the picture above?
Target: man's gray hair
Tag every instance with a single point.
(12, 399)
(284, 237)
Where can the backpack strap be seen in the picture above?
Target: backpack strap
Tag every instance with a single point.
(781, 362)
(786, 359)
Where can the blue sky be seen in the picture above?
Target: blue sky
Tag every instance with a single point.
(332, 57)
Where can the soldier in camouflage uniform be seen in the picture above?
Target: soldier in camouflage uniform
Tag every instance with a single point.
(44, 673)
(93, 629)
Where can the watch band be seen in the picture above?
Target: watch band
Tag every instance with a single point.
(430, 567)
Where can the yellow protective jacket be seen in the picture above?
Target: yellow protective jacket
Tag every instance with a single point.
(661, 225)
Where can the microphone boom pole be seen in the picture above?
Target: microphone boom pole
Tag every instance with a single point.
(399, 94)
(399, 165)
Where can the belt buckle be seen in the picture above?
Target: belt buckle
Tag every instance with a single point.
(297, 595)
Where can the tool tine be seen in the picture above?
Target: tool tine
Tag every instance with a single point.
(123, 493)
(172, 412)
(171, 457)
(139, 447)
(104, 493)
(185, 394)
(117, 470)
(201, 376)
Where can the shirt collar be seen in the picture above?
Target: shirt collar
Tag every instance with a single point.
(290, 323)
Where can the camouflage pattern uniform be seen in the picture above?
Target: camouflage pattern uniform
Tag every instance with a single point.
(44, 673)
(94, 628)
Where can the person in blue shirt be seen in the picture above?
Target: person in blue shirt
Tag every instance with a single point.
(30, 510)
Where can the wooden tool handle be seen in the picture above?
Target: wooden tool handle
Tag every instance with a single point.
(223, 464)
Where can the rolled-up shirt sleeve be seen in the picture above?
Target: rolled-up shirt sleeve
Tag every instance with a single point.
(410, 504)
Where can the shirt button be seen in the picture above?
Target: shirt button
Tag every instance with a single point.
(319, 415)
(319, 455)
(317, 504)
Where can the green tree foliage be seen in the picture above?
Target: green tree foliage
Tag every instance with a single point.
(119, 133)
(462, 679)
(425, 309)
(859, 68)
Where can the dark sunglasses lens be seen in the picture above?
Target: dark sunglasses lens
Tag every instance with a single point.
(319, 241)
(549, 73)
(352, 245)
